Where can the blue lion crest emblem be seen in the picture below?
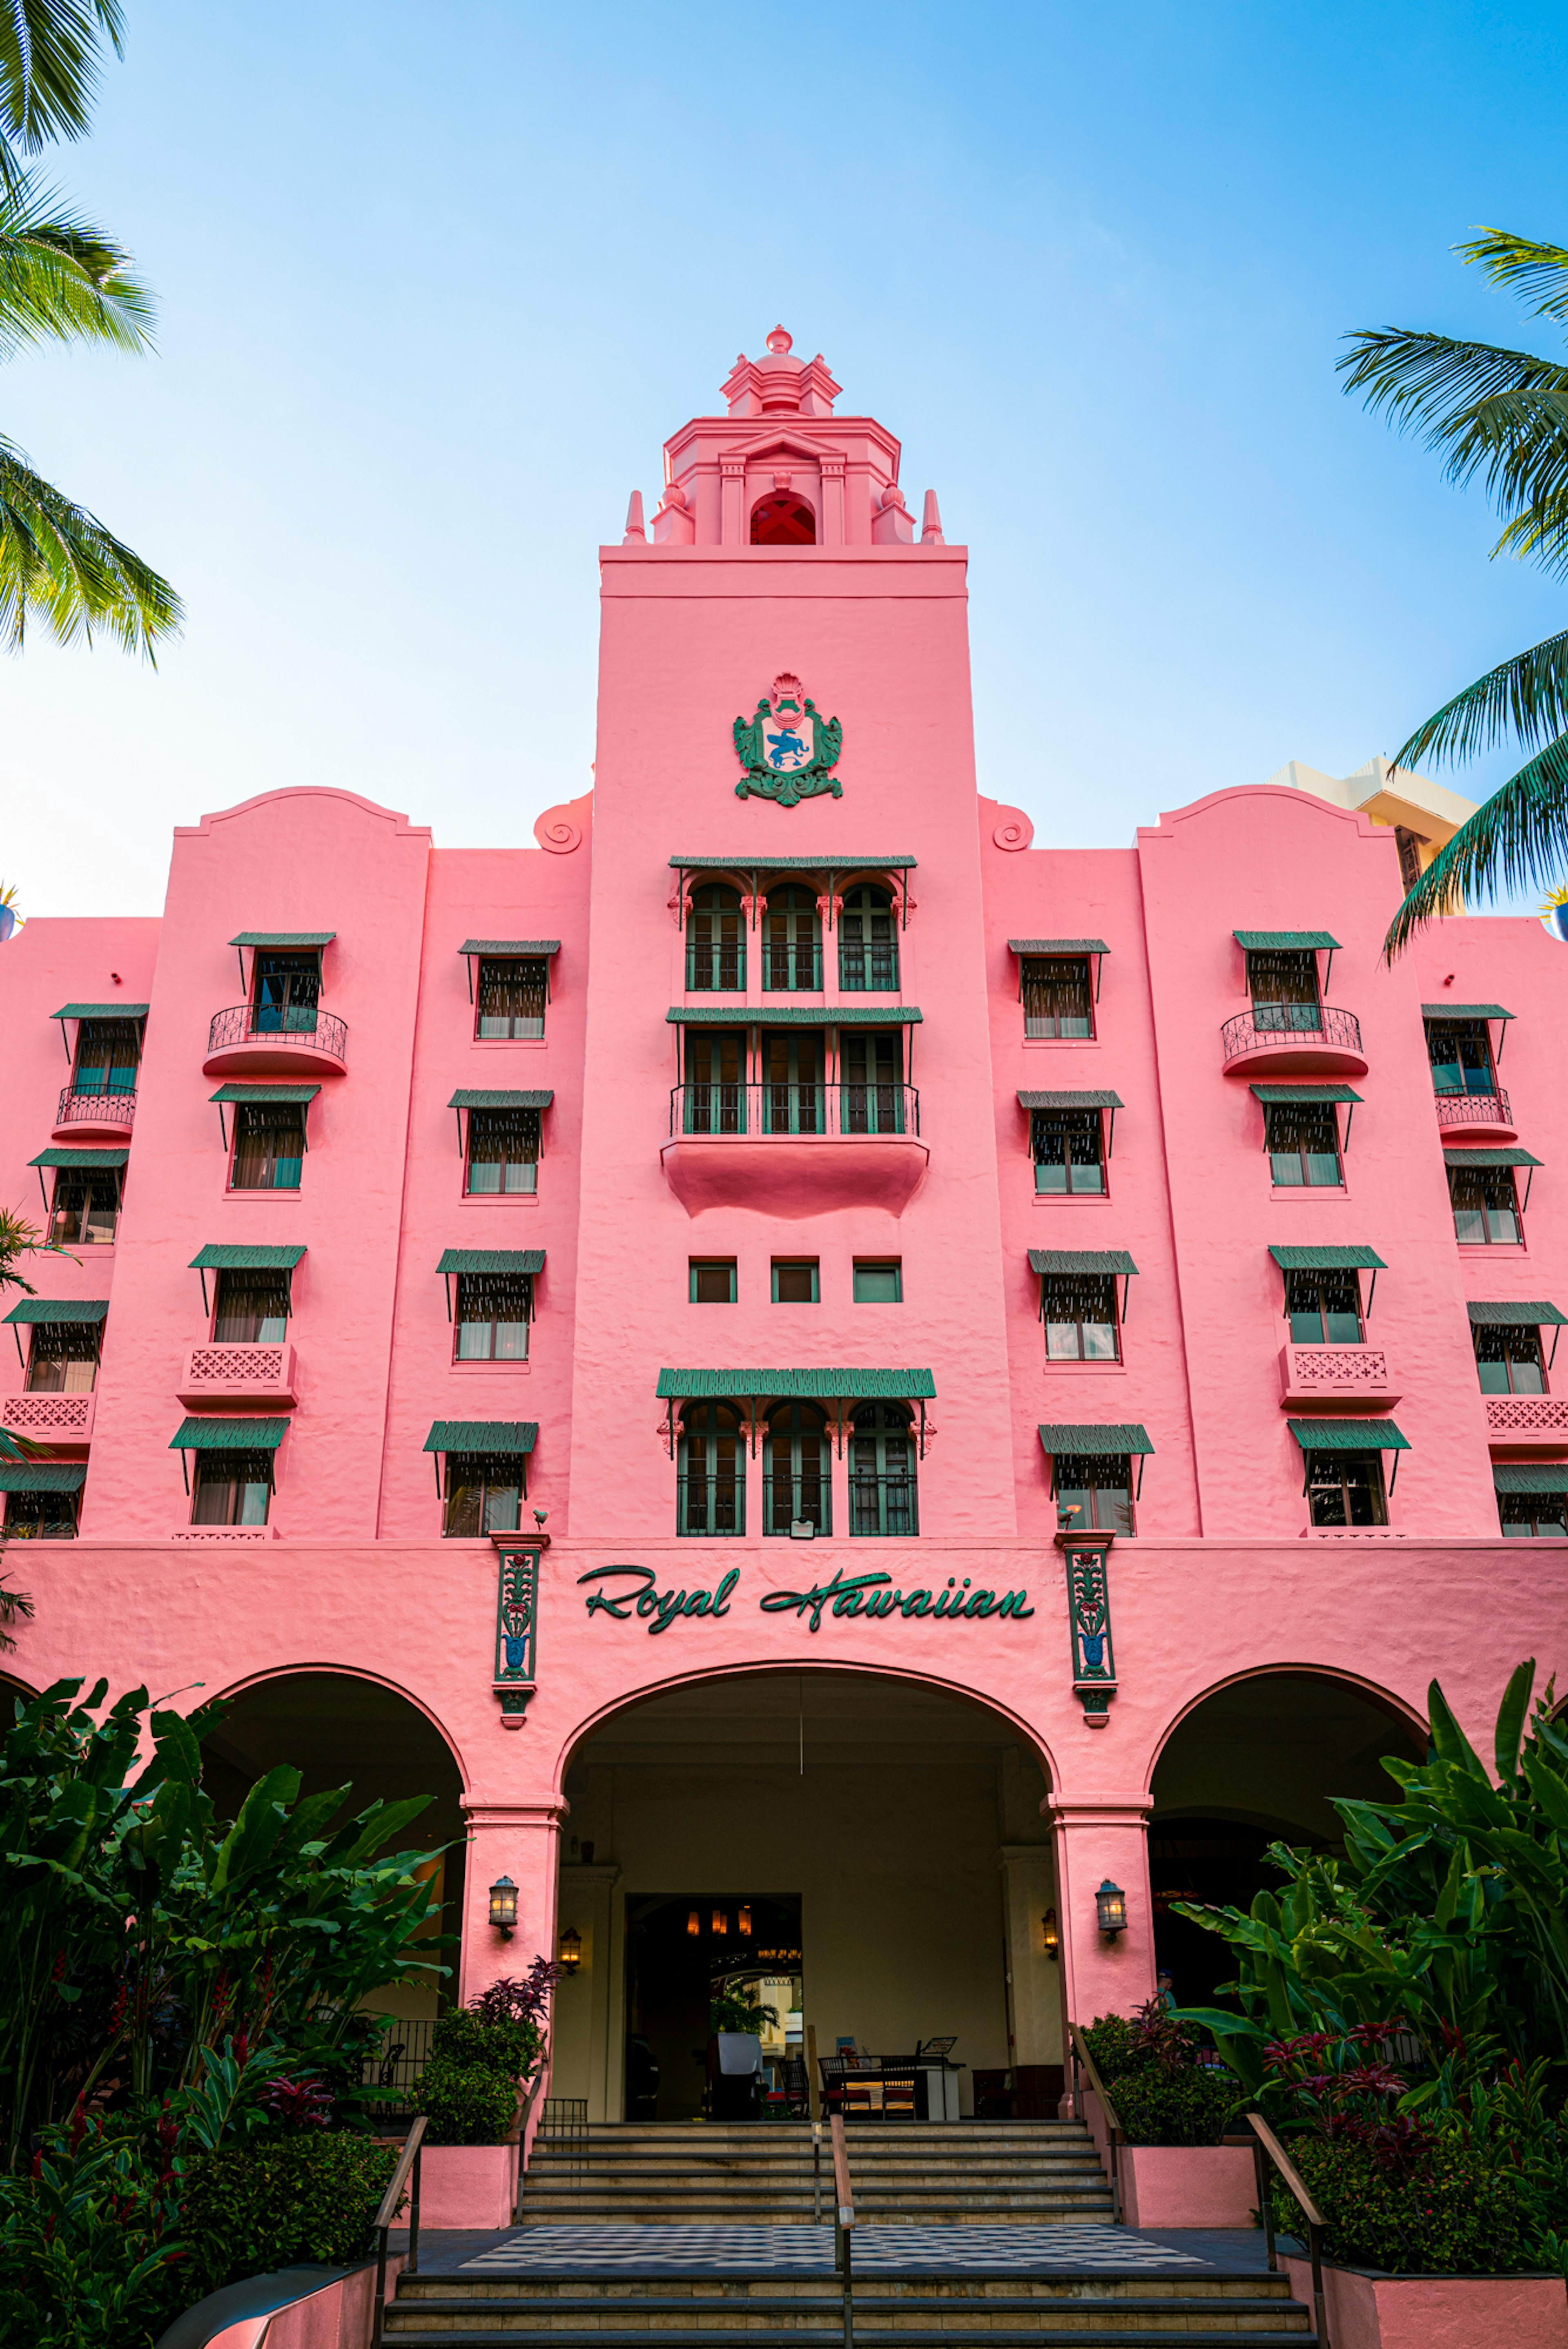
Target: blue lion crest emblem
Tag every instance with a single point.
(787, 748)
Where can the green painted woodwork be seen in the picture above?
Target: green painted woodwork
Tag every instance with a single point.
(101, 1011)
(842, 1015)
(483, 1435)
(1070, 1100)
(223, 1256)
(56, 1309)
(1533, 1312)
(1100, 1260)
(299, 1094)
(1348, 1436)
(44, 1476)
(284, 938)
(1326, 1257)
(492, 1260)
(487, 1098)
(1057, 946)
(1089, 1621)
(816, 1386)
(1061, 1437)
(808, 782)
(81, 1158)
(229, 1435)
(535, 949)
(1465, 1012)
(1489, 1157)
(517, 1619)
(1286, 941)
(1303, 1094)
(1551, 1476)
(752, 863)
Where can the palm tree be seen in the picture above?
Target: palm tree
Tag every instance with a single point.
(1501, 415)
(61, 278)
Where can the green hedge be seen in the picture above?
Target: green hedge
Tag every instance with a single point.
(1456, 2215)
(1185, 2106)
(280, 2200)
(465, 2103)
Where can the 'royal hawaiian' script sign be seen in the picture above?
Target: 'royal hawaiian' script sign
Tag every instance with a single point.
(856, 1594)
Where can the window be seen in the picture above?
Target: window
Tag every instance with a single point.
(715, 943)
(512, 995)
(871, 1089)
(712, 1280)
(286, 989)
(1486, 1206)
(251, 1308)
(1324, 1308)
(796, 1280)
(867, 943)
(109, 1055)
(1058, 998)
(63, 1357)
(484, 1493)
(796, 1479)
(1097, 1487)
(1531, 1516)
(85, 1208)
(710, 1478)
(882, 1496)
(503, 1152)
(1409, 846)
(783, 520)
(714, 1097)
(231, 1489)
(793, 1101)
(1302, 1143)
(879, 1283)
(1283, 983)
(792, 944)
(494, 1311)
(1509, 1358)
(42, 1517)
(1460, 1054)
(269, 1146)
(1345, 1488)
(1068, 1149)
(1079, 1310)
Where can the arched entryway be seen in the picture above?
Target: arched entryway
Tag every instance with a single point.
(871, 1850)
(1254, 1762)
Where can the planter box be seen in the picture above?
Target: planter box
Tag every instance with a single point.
(1369, 2310)
(467, 2185)
(1189, 2186)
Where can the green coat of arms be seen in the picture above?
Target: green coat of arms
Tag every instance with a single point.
(788, 749)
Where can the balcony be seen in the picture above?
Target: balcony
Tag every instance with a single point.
(228, 1372)
(1336, 1375)
(83, 1117)
(1477, 1117)
(1527, 1419)
(48, 1418)
(795, 1150)
(1297, 1039)
(262, 1040)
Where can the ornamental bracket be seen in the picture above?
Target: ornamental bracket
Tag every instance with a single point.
(515, 1679)
(1085, 1558)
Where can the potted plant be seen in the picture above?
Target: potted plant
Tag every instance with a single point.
(482, 2058)
(1172, 2106)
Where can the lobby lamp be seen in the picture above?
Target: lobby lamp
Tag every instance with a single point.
(504, 1906)
(1051, 1937)
(570, 1952)
(1111, 1909)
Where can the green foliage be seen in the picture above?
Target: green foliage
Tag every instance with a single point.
(467, 2103)
(86, 2244)
(739, 2008)
(51, 53)
(508, 2045)
(1151, 2067)
(278, 2202)
(1456, 2214)
(1115, 2044)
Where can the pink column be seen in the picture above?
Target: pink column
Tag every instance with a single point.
(520, 1840)
(833, 501)
(732, 472)
(1096, 1839)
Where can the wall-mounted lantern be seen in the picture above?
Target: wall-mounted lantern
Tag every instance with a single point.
(1050, 1938)
(721, 1922)
(504, 1906)
(1111, 1908)
(694, 1922)
(569, 1950)
(743, 1921)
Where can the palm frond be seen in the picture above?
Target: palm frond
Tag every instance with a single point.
(1537, 271)
(1524, 700)
(1435, 386)
(1516, 839)
(62, 277)
(50, 54)
(59, 566)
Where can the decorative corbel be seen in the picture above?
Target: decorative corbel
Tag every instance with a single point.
(680, 907)
(1086, 1557)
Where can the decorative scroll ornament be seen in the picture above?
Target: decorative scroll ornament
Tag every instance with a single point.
(1089, 1616)
(516, 1632)
(789, 749)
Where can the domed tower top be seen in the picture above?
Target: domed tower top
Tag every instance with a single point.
(780, 385)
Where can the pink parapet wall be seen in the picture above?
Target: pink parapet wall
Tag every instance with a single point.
(1384, 2312)
(1188, 2186)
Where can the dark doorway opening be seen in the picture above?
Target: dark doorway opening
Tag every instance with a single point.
(783, 520)
(682, 1949)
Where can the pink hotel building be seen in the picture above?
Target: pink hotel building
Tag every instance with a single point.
(833, 1380)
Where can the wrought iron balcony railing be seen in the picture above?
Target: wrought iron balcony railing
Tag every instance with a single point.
(304, 1024)
(850, 1111)
(711, 1506)
(1267, 1025)
(1475, 1109)
(115, 1108)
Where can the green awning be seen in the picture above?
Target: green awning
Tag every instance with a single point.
(1326, 1258)
(492, 1260)
(1061, 1438)
(1464, 1011)
(1069, 1100)
(489, 1099)
(755, 864)
(229, 1435)
(1102, 1260)
(815, 1386)
(221, 1257)
(284, 938)
(1531, 1313)
(101, 1011)
(1304, 1092)
(299, 1094)
(1551, 1476)
(483, 1435)
(59, 1309)
(840, 1015)
(83, 1158)
(1489, 1158)
(536, 947)
(1348, 1436)
(1057, 946)
(44, 1477)
(1286, 941)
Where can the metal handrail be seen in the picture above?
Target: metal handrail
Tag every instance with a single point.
(1303, 1023)
(1082, 2057)
(535, 2090)
(105, 1107)
(844, 2224)
(407, 2173)
(1264, 2142)
(1474, 1109)
(295, 1023)
(794, 1109)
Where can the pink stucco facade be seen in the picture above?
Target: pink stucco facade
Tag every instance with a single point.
(1224, 1576)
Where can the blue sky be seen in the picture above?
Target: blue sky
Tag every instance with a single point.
(437, 283)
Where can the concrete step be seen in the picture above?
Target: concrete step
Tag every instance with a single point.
(1120, 2328)
(606, 2290)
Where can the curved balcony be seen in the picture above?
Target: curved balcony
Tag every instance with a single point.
(1296, 1038)
(795, 1150)
(82, 1117)
(1477, 1117)
(276, 1039)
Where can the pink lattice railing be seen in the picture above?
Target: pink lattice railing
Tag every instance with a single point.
(58, 1416)
(263, 1372)
(1521, 1419)
(1335, 1370)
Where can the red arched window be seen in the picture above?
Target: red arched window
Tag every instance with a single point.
(783, 520)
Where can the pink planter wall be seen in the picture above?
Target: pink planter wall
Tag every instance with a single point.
(467, 2184)
(1378, 2312)
(337, 2316)
(1189, 2184)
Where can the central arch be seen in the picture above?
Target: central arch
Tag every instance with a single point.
(869, 1849)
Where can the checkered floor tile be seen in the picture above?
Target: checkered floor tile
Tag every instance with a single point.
(808, 2251)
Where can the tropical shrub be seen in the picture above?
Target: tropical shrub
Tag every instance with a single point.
(1451, 2212)
(280, 2200)
(481, 2056)
(89, 2239)
(1163, 2093)
(466, 2104)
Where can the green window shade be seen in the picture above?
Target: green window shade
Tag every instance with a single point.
(1348, 1436)
(228, 1434)
(1061, 1436)
(515, 1261)
(83, 1161)
(823, 1386)
(483, 1435)
(59, 1309)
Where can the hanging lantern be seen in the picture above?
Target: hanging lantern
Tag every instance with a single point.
(720, 1922)
(1111, 1908)
(694, 1922)
(569, 1949)
(503, 1906)
(1050, 1938)
(743, 1921)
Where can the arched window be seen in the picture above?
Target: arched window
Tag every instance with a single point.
(882, 1497)
(792, 956)
(867, 942)
(710, 1481)
(782, 520)
(797, 1483)
(715, 943)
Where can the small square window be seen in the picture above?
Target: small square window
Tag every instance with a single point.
(712, 1280)
(796, 1280)
(881, 1283)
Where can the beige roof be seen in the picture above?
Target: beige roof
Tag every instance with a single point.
(1394, 788)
